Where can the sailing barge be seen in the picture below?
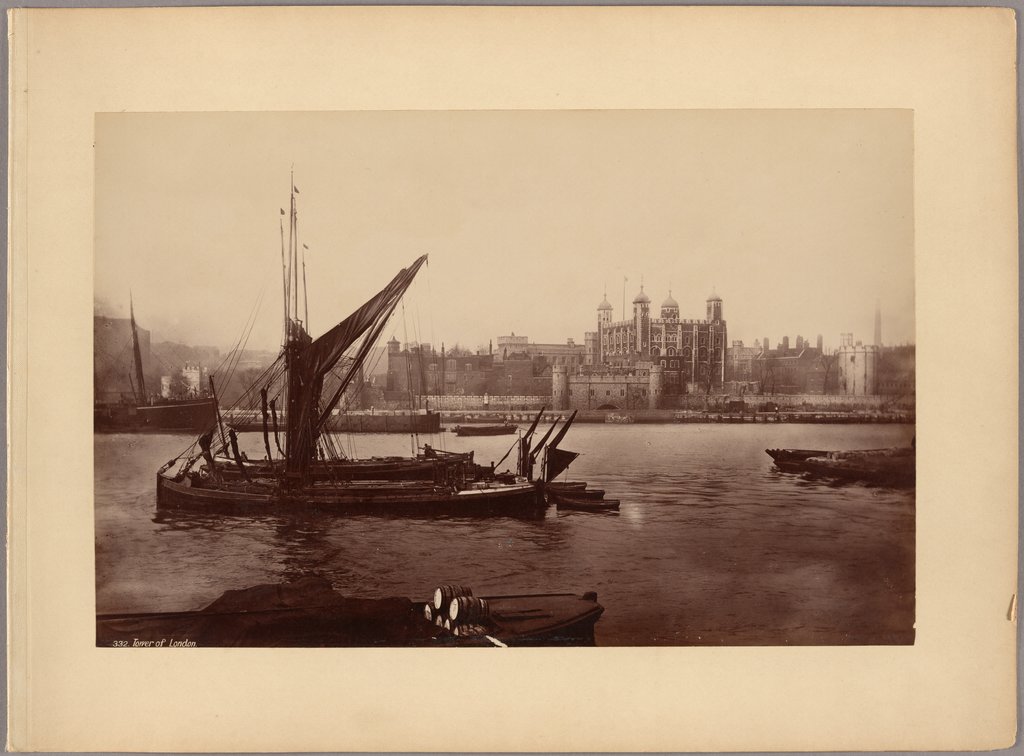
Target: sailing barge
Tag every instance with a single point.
(308, 470)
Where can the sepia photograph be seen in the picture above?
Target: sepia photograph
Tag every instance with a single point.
(505, 378)
(512, 379)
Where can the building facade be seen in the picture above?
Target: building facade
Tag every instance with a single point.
(513, 347)
(691, 353)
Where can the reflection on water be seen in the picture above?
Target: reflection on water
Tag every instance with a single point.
(711, 545)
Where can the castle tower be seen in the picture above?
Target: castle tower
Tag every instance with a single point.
(604, 312)
(604, 319)
(714, 308)
(656, 387)
(560, 387)
(642, 322)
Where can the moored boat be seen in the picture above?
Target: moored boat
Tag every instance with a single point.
(894, 466)
(160, 416)
(485, 430)
(584, 504)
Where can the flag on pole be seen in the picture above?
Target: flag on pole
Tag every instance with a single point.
(282, 211)
(295, 189)
(305, 246)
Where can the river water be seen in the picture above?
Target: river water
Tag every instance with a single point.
(712, 545)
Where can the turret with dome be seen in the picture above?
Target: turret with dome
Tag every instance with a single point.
(670, 308)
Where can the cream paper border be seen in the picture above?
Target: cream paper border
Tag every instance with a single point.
(953, 690)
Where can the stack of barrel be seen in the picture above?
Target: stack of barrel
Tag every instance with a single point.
(455, 610)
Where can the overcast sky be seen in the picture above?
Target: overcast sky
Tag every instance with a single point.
(799, 220)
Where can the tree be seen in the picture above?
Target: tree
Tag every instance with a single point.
(830, 364)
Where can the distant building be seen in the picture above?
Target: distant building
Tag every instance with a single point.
(514, 347)
(858, 366)
(609, 388)
(419, 370)
(802, 369)
(690, 352)
(740, 362)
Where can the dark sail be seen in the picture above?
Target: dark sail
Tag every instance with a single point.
(140, 397)
(558, 460)
(540, 444)
(565, 429)
(368, 321)
(308, 362)
(533, 426)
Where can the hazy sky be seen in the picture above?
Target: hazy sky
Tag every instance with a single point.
(799, 220)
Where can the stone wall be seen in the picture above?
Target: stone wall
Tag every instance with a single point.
(451, 402)
(791, 401)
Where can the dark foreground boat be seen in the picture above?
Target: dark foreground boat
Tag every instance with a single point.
(485, 430)
(894, 467)
(310, 378)
(310, 613)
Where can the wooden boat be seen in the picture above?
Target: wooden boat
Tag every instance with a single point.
(584, 494)
(311, 377)
(310, 613)
(894, 466)
(485, 430)
(432, 464)
(355, 497)
(575, 485)
(143, 413)
(583, 503)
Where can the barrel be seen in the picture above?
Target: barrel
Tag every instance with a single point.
(439, 621)
(428, 612)
(444, 594)
(467, 609)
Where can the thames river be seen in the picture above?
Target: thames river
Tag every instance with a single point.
(712, 545)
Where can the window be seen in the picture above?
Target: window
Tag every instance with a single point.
(655, 351)
(671, 351)
(663, 363)
(675, 363)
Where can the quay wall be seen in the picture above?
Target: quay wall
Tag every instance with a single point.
(459, 402)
